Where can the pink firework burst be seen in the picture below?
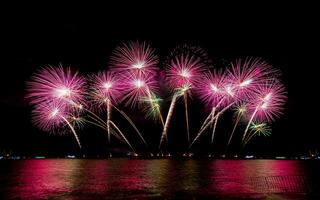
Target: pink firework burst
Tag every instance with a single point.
(54, 117)
(245, 76)
(49, 116)
(212, 89)
(137, 87)
(56, 84)
(138, 57)
(266, 102)
(185, 67)
(106, 86)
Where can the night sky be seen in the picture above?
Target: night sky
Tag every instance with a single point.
(84, 39)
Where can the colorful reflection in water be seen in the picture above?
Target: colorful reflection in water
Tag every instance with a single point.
(157, 179)
(257, 177)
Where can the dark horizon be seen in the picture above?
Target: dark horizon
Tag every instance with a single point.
(35, 40)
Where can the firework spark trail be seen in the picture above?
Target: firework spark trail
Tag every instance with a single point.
(96, 124)
(100, 123)
(250, 135)
(212, 114)
(208, 124)
(249, 123)
(114, 133)
(94, 116)
(108, 119)
(205, 125)
(240, 110)
(168, 119)
(207, 120)
(77, 121)
(185, 99)
(122, 135)
(131, 123)
(161, 118)
(234, 128)
(73, 131)
(212, 119)
(160, 114)
(214, 127)
(105, 128)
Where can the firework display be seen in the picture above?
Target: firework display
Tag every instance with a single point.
(63, 101)
(237, 85)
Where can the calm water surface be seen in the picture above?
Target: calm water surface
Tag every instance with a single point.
(159, 179)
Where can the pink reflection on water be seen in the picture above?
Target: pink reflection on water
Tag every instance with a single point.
(256, 176)
(96, 177)
(40, 178)
(132, 175)
(228, 176)
(136, 179)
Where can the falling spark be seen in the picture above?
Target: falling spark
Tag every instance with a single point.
(119, 131)
(168, 119)
(205, 126)
(240, 110)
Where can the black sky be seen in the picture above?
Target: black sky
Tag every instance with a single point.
(283, 35)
